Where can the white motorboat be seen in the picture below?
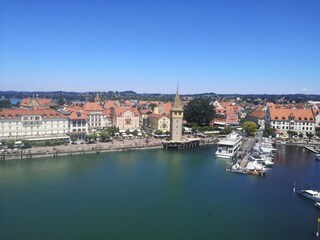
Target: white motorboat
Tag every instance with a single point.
(311, 194)
(317, 156)
(317, 204)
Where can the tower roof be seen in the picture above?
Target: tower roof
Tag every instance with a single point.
(177, 103)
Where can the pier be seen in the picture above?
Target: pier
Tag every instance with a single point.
(243, 155)
(183, 144)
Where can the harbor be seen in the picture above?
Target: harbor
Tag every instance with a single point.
(188, 193)
(253, 157)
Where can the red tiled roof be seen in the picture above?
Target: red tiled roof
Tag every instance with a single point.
(92, 106)
(298, 114)
(257, 114)
(111, 103)
(120, 110)
(17, 113)
(78, 115)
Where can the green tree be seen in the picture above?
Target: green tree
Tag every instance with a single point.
(318, 131)
(112, 130)
(309, 135)
(5, 103)
(104, 136)
(199, 111)
(158, 132)
(292, 134)
(91, 137)
(225, 131)
(250, 127)
(61, 100)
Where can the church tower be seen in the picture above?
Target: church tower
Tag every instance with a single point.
(176, 117)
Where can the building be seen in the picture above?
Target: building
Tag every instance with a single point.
(125, 118)
(37, 103)
(95, 113)
(78, 125)
(44, 124)
(258, 117)
(158, 122)
(176, 118)
(298, 120)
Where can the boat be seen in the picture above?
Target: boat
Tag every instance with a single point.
(317, 204)
(317, 156)
(311, 194)
(229, 145)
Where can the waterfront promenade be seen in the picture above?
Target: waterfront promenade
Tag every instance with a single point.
(98, 147)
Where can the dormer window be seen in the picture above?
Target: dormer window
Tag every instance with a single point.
(300, 118)
(51, 115)
(9, 116)
(44, 116)
(17, 116)
(311, 119)
(283, 118)
(305, 119)
(2, 116)
(57, 115)
(276, 117)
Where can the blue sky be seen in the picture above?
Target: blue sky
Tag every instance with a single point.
(228, 46)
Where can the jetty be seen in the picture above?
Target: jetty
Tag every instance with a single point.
(311, 149)
(183, 144)
(246, 163)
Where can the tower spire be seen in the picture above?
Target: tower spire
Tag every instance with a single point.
(177, 102)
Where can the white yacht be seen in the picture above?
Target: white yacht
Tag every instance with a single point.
(229, 145)
(311, 194)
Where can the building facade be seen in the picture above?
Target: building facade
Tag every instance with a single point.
(95, 113)
(298, 120)
(33, 124)
(78, 126)
(125, 118)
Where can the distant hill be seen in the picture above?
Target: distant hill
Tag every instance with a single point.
(85, 96)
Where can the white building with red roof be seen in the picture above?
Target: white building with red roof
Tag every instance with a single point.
(33, 124)
(95, 113)
(298, 120)
(78, 125)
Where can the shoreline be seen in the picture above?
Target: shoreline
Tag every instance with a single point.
(83, 149)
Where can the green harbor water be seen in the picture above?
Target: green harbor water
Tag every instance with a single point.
(156, 194)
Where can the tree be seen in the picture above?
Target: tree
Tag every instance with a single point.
(104, 136)
(309, 135)
(112, 130)
(250, 128)
(225, 131)
(269, 132)
(158, 132)
(318, 131)
(61, 100)
(91, 137)
(199, 111)
(5, 103)
(292, 133)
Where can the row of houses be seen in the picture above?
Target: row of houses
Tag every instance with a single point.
(43, 123)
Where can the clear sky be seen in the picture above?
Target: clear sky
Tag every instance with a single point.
(225, 46)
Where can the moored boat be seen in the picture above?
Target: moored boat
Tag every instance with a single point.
(317, 204)
(311, 194)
